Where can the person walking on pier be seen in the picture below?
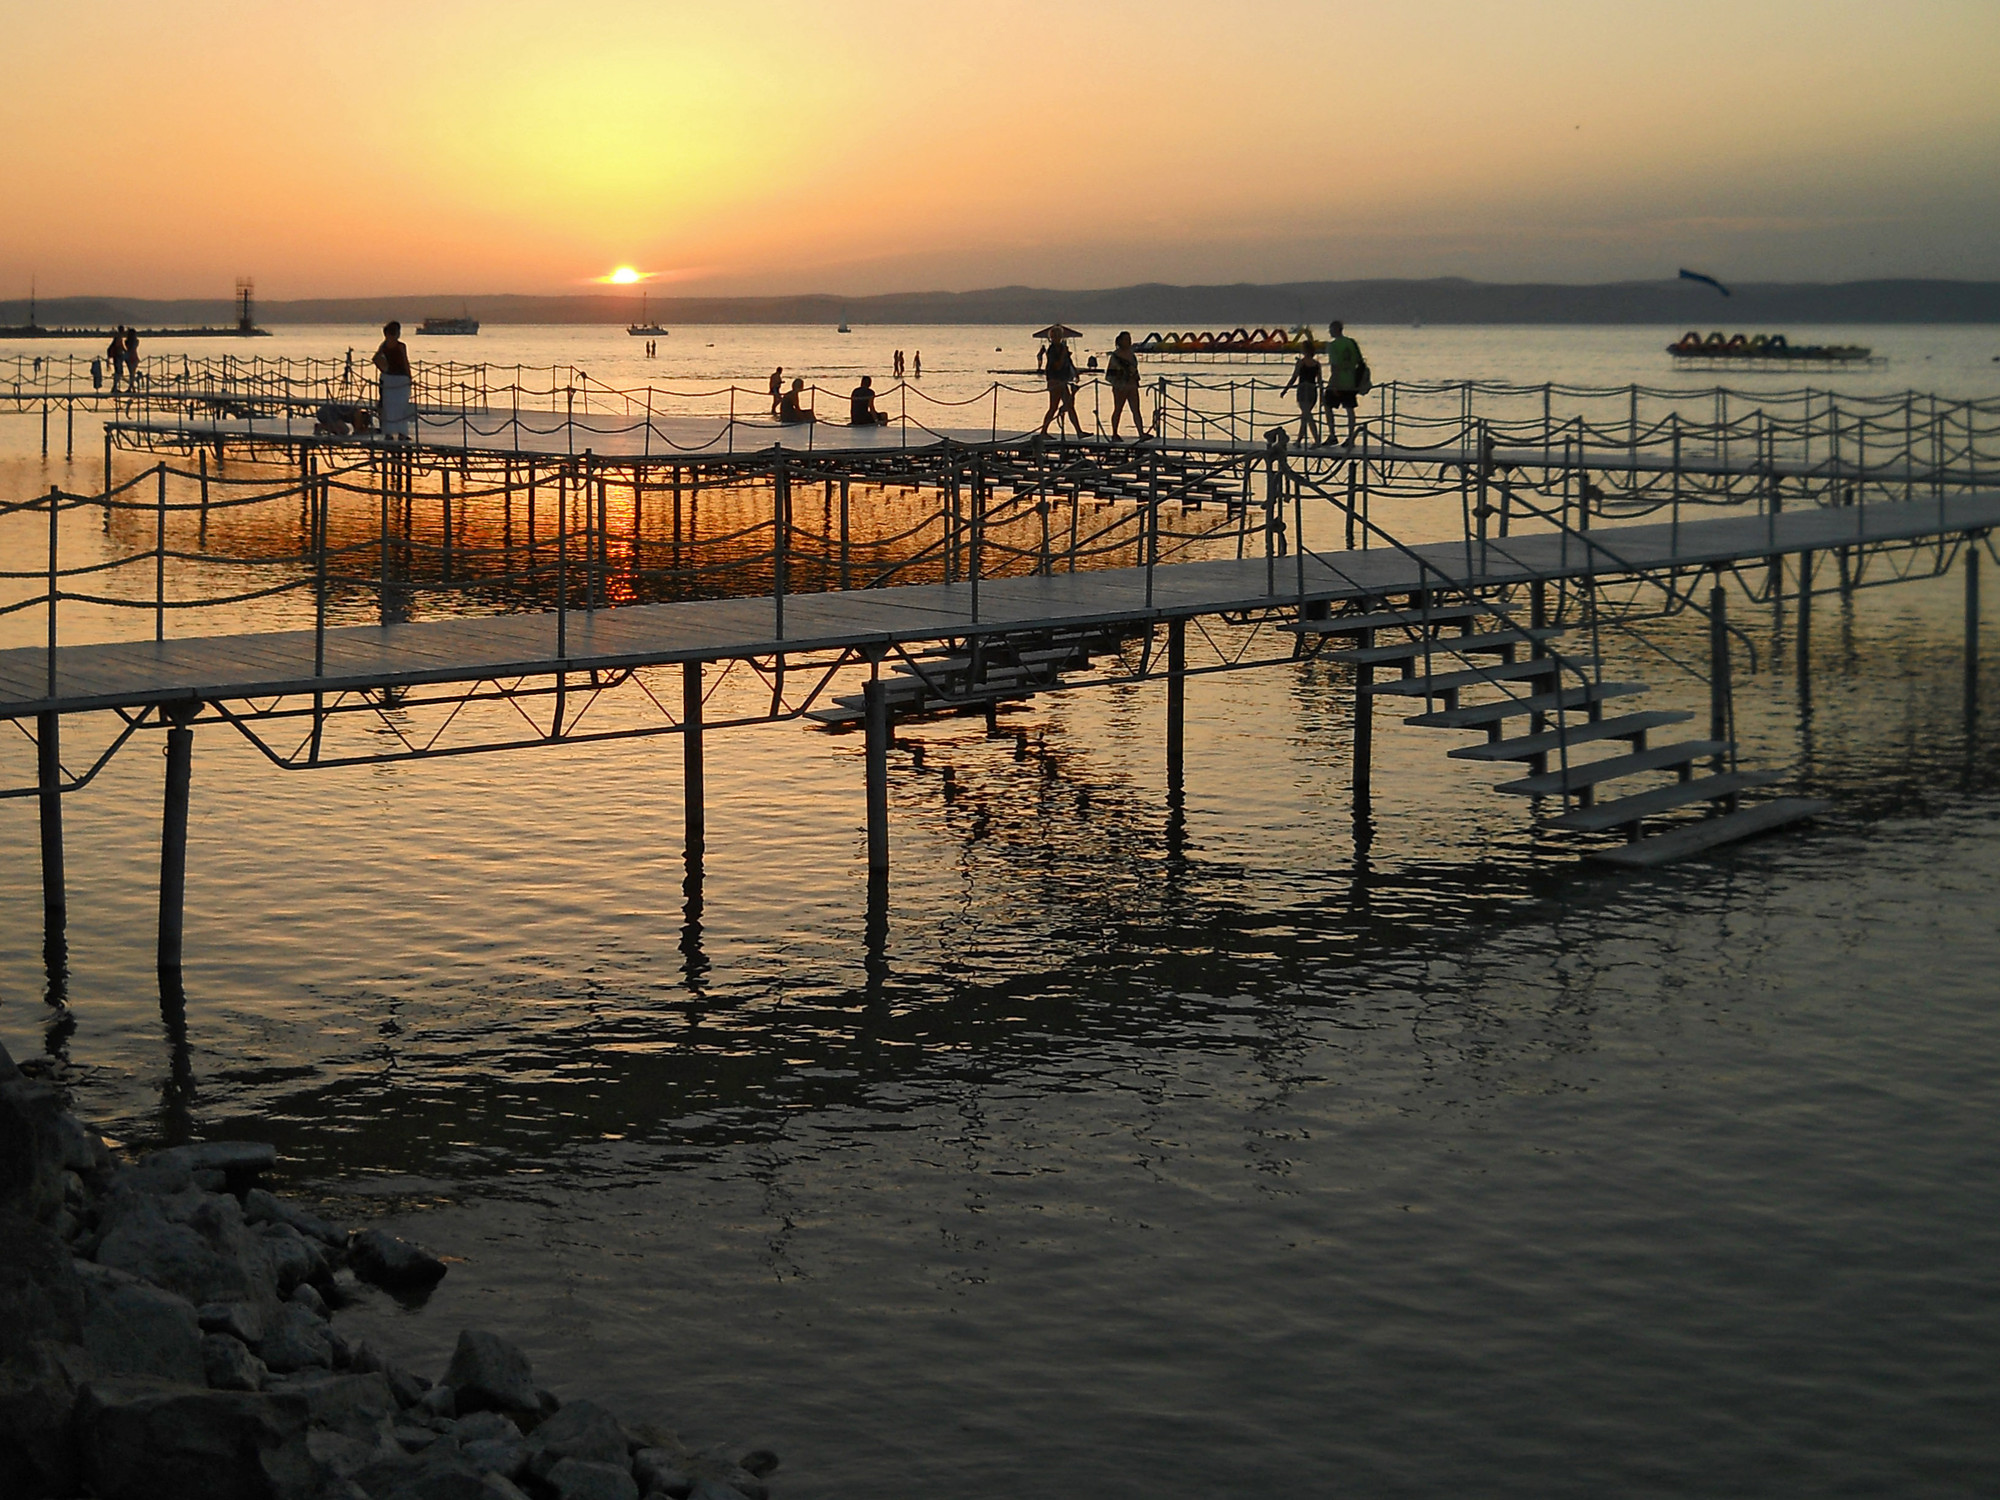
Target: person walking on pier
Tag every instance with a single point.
(1347, 378)
(131, 360)
(115, 352)
(919, 372)
(392, 360)
(777, 389)
(1060, 372)
(1121, 373)
(1306, 380)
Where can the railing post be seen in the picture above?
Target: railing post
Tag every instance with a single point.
(781, 525)
(975, 545)
(160, 556)
(562, 562)
(55, 897)
(319, 488)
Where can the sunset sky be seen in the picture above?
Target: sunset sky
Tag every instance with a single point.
(161, 149)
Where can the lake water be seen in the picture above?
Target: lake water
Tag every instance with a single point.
(1230, 1155)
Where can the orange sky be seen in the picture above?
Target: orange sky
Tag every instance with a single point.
(163, 149)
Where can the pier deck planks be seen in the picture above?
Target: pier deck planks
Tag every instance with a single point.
(467, 649)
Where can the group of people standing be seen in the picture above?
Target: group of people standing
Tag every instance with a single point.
(1339, 385)
(900, 368)
(123, 352)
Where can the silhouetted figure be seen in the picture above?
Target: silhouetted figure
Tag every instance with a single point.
(1307, 378)
(392, 360)
(1041, 358)
(1059, 370)
(342, 419)
(347, 375)
(1121, 373)
(792, 405)
(97, 374)
(1347, 378)
(861, 410)
(920, 365)
(777, 388)
(115, 351)
(900, 365)
(131, 359)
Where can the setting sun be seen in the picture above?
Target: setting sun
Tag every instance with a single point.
(623, 276)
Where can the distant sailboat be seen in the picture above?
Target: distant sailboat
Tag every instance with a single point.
(645, 328)
(843, 328)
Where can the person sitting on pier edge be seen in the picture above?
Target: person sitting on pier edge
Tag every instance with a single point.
(792, 405)
(1306, 377)
(1347, 378)
(1121, 373)
(777, 388)
(342, 419)
(861, 410)
(392, 359)
(1059, 370)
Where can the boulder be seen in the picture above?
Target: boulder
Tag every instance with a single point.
(228, 1364)
(41, 1298)
(145, 1441)
(32, 1150)
(761, 1462)
(294, 1258)
(440, 1401)
(490, 1374)
(714, 1489)
(407, 1387)
(130, 1328)
(484, 1425)
(295, 1340)
(660, 1472)
(360, 1406)
(719, 1465)
(504, 1456)
(391, 1263)
(233, 1157)
(582, 1430)
(190, 1242)
(240, 1320)
(261, 1207)
(38, 1448)
(441, 1472)
(574, 1479)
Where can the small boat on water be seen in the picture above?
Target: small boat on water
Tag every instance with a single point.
(1765, 347)
(843, 328)
(645, 328)
(460, 325)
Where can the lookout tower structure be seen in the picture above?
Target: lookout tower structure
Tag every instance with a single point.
(246, 321)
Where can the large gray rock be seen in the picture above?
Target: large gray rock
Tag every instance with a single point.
(32, 1150)
(392, 1263)
(503, 1456)
(441, 1472)
(130, 1328)
(719, 1465)
(573, 1479)
(358, 1405)
(294, 1258)
(662, 1471)
(261, 1207)
(582, 1430)
(295, 1340)
(41, 1298)
(145, 1441)
(490, 1374)
(38, 1448)
(228, 1365)
(190, 1242)
(240, 1320)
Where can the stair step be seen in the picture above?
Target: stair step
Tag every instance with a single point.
(1479, 715)
(1626, 810)
(1711, 833)
(1576, 732)
(1443, 614)
(1450, 682)
(1455, 645)
(1590, 773)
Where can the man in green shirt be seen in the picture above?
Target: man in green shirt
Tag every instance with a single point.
(1344, 383)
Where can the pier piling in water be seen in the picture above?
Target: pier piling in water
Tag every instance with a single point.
(1176, 704)
(173, 849)
(876, 702)
(1971, 633)
(1805, 622)
(695, 813)
(55, 898)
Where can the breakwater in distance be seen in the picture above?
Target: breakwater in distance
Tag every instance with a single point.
(1243, 1151)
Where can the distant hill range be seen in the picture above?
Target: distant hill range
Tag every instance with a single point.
(1755, 305)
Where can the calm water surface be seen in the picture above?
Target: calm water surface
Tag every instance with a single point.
(1136, 1155)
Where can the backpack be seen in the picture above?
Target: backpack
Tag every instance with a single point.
(1364, 382)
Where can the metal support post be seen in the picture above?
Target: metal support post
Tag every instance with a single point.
(55, 897)
(694, 794)
(173, 849)
(1719, 686)
(1364, 726)
(875, 697)
(1971, 632)
(1176, 704)
(1805, 622)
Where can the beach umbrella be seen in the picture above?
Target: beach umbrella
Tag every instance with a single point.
(1058, 331)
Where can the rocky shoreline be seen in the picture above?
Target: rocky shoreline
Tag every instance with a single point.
(167, 1332)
